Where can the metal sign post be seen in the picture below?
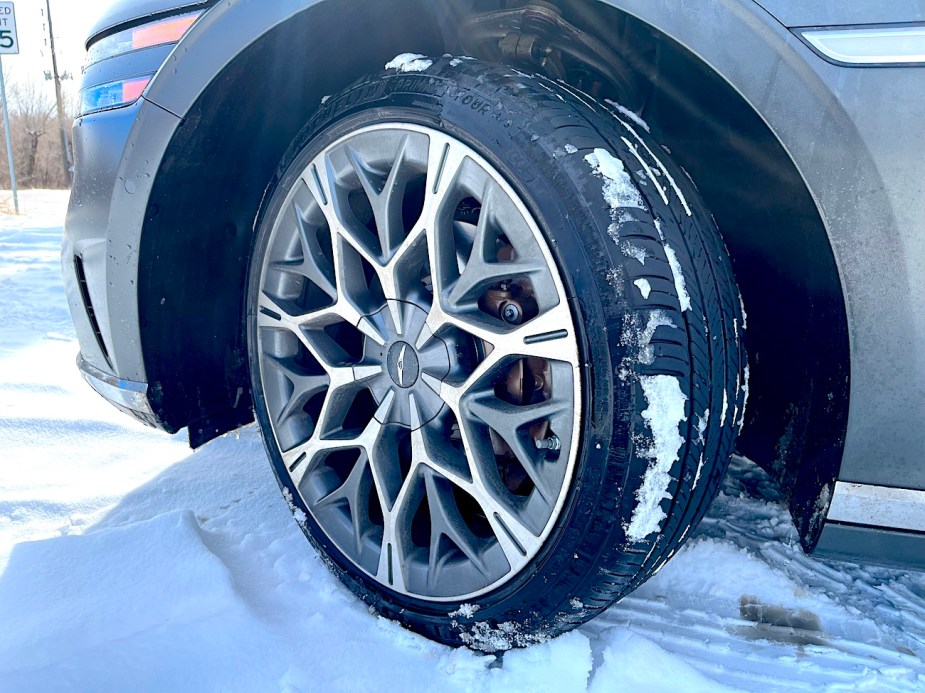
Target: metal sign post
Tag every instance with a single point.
(9, 45)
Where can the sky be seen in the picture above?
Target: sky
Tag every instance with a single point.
(71, 20)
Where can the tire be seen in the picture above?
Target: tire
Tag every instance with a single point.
(637, 375)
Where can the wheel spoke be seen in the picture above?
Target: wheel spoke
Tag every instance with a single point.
(483, 268)
(304, 386)
(302, 457)
(446, 523)
(349, 250)
(313, 265)
(386, 202)
(508, 421)
(515, 538)
(392, 559)
(271, 313)
(397, 534)
(557, 344)
(343, 388)
(512, 535)
(445, 164)
(354, 492)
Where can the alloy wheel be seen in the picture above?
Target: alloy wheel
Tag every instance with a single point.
(419, 362)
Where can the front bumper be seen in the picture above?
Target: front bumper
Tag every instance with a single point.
(117, 155)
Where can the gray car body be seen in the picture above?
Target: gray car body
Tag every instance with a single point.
(855, 135)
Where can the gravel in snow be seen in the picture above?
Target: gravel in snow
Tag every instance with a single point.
(126, 559)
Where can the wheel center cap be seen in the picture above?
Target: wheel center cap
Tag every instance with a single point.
(402, 364)
(412, 360)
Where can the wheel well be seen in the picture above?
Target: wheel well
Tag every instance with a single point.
(199, 224)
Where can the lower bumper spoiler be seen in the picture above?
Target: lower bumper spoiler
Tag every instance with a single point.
(128, 396)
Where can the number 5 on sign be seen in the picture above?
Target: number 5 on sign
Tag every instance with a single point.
(9, 43)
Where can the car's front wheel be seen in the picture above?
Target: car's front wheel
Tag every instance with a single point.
(495, 350)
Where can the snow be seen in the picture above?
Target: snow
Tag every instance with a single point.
(657, 318)
(644, 287)
(465, 610)
(618, 671)
(635, 252)
(409, 62)
(619, 190)
(671, 180)
(702, 425)
(664, 415)
(744, 399)
(652, 175)
(503, 637)
(679, 284)
(641, 338)
(744, 314)
(629, 114)
(128, 561)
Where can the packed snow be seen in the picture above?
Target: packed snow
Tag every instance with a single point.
(629, 114)
(409, 62)
(128, 562)
(744, 398)
(635, 252)
(619, 190)
(661, 166)
(664, 415)
(641, 338)
(644, 287)
(677, 274)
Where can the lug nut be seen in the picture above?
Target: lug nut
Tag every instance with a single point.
(510, 312)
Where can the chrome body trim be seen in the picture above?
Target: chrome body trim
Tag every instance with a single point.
(887, 45)
(124, 393)
(878, 506)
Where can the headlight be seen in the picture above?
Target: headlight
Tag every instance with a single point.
(120, 92)
(123, 91)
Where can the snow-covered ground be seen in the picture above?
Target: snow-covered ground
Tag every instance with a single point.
(129, 562)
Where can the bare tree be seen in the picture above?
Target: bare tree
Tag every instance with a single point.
(36, 151)
(32, 116)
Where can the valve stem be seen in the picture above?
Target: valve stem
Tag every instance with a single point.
(551, 443)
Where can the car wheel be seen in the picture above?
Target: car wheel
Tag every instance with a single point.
(495, 349)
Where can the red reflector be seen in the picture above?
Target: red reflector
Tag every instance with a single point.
(131, 89)
(168, 31)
